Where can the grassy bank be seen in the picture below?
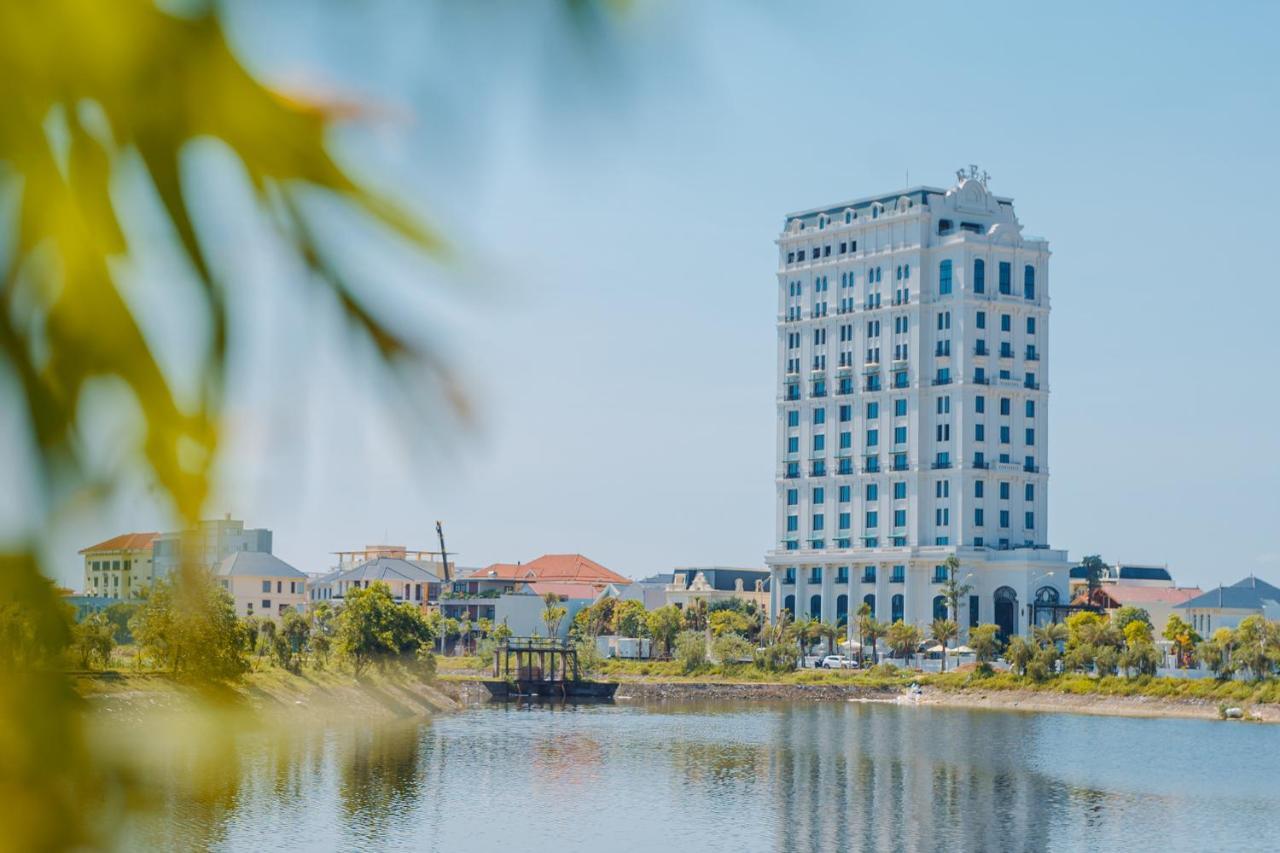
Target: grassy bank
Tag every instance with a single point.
(270, 692)
(1207, 692)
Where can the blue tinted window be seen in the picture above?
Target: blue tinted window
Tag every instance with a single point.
(944, 278)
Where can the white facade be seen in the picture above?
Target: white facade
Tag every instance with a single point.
(912, 408)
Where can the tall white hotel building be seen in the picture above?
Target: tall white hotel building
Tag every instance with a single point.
(913, 395)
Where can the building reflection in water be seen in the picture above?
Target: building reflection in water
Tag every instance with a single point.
(861, 778)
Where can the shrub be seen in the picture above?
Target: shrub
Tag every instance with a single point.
(1106, 661)
(731, 648)
(691, 649)
(779, 657)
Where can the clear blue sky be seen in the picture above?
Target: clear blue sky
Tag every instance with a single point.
(613, 315)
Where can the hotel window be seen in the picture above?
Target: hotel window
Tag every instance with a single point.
(1004, 518)
(1004, 405)
(900, 407)
(900, 435)
(819, 417)
(1029, 521)
(846, 440)
(1031, 325)
(844, 521)
(981, 320)
(1031, 408)
(873, 492)
(1004, 490)
(1031, 438)
(1004, 435)
(793, 523)
(846, 413)
(793, 444)
(977, 517)
(1029, 282)
(973, 611)
(980, 404)
(793, 497)
(845, 494)
(1029, 492)
(873, 411)
(873, 437)
(793, 418)
(818, 520)
(944, 278)
(898, 574)
(873, 520)
(1006, 323)
(900, 490)
(979, 432)
(819, 495)
(899, 518)
(1006, 277)
(266, 604)
(979, 276)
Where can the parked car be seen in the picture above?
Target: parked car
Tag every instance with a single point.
(839, 662)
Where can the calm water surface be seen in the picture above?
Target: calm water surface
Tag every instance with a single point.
(803, 776)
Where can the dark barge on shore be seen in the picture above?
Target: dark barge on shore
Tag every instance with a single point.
(544, 668)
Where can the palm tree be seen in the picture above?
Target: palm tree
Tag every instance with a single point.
(872, 629)
(953, 590)
(903, 638)
(944, 630)
(1049, 635)
(830, 632)
(1093, 571)
(863, 611)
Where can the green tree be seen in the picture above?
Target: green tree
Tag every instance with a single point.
(830, 633)
(323, 628)
(1094, 569)
(374, 628)
(502, 632)
(119, 614)
(903, 639)
(695, 615)
(1019, 652)
(629, 619)
(188, 625)
(664, 624)
(691, 649)
(295, 634)
(729, 622)
(731, 648)
(953, 591)
(92, 641)
(944, 631)
(1182, 639)
(1106, 659)
(1080, 657)
(1128, 614)
(553, 613)
(1137, 632)
(1083, 628)
(1139, 658)
(1249, 647)
(985, 642)
(1050, 635)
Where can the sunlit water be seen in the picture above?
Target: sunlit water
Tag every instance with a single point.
(802, 776)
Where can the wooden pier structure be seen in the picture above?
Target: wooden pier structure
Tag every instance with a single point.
(542, 667)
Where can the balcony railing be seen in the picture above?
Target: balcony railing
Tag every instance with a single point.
(981, 380)
(939, 464)
(1006, 352)
(1034, 386)
(1031, 469)
(1032, 355)
(981, 349)
(942, 380)
(981, 463)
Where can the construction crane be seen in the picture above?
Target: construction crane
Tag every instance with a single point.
(444, 554)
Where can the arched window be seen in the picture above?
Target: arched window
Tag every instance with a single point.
(896, 607)
(1006, 611)
(822, 222)
(979, 276)
(1029, 282)
(939, 607)
(1046, 595)
(870, 601)
(848, 217)
(944, 278)
(815, 607)
(789, 604)
(842, 610)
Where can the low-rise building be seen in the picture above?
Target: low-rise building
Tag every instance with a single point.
(408, 580)
(262, 584)
(716, 583)
(1158, 601)
(1126, 574)
(650, 591)
(119, 568)
(1227, 606)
